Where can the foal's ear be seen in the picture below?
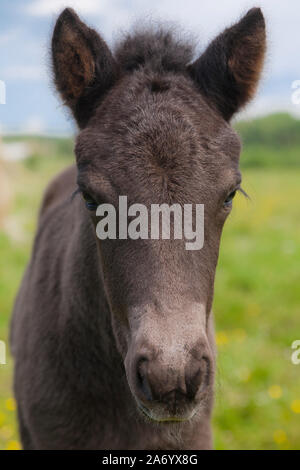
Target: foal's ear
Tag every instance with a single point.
(228, 71)
(83, 66)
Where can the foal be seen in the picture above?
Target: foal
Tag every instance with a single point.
(113, 339)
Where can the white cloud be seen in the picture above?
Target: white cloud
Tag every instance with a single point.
(204, 18)
(45, 7)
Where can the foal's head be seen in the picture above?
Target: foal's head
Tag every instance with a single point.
(154, 126)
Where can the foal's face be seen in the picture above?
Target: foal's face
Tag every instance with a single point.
(160, 136)
(169, 147)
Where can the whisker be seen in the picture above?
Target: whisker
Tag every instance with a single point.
(241, 190)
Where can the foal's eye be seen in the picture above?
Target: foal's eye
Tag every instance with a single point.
(90, 203)
(228, 200)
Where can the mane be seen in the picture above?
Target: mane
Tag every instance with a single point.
(158, 48)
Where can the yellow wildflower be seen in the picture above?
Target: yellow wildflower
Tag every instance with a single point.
(13, 445)
(280, 436)
(10, 404)
(295, 406)
(221, 338)
(275, 392)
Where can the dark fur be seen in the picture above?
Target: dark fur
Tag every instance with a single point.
(83, 66)
(228, 71)
(89, 312)
(157, 49)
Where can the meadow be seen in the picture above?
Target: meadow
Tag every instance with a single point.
(257, 294)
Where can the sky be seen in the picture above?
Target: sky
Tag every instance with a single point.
(32, 106)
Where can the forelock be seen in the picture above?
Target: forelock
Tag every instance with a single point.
(158, 48)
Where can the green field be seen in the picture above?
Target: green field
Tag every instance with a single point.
(257, 295)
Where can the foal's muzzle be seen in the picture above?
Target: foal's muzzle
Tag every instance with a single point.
(168, 392)
(169, 363)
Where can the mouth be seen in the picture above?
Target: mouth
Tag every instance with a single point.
(164, 419)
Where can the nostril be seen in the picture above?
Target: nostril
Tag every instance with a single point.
(142, 379)
(198, 378)
(193, 383)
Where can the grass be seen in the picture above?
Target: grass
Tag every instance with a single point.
(257, 316)
(270, 141)
(29, 179)
(256, 305)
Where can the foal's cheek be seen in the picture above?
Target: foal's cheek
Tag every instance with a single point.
(119, 320)
(214, 232)
(121, 334)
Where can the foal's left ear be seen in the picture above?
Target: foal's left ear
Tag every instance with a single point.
(228, 72)
(84, 68)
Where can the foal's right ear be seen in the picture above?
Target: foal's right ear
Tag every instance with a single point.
(83, 66)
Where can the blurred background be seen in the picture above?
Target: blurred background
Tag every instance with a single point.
(257, 300)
